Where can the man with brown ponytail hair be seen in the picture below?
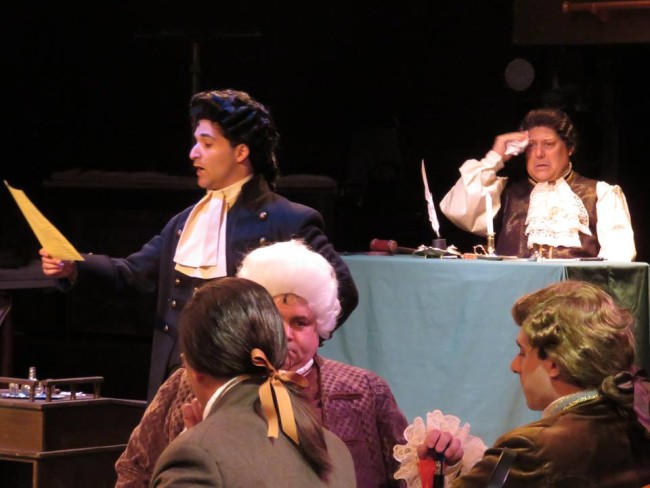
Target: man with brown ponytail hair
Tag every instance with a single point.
(256, 429)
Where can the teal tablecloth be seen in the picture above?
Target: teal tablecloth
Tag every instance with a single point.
(440, 331)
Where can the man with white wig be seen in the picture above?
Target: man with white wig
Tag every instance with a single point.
(355, 404)
(290, 268)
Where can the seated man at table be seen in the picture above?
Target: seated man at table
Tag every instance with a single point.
(552, 212)
(354, 403)
(575, 364)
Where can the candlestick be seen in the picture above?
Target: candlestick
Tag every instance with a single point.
(490, 248)
(489, 216)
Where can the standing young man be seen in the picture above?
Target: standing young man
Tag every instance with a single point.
(235, 161)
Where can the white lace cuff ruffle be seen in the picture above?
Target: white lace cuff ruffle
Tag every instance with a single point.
(416, 432)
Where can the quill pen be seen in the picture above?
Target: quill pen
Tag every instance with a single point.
(433, 217)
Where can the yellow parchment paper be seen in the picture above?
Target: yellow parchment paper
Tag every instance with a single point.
(48, 235)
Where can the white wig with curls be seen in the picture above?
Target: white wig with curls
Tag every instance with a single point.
(291, 267)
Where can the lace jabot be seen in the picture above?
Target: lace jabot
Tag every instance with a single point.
(556, 215)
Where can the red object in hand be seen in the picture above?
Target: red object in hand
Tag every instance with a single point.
(427, 468)
(431, 473)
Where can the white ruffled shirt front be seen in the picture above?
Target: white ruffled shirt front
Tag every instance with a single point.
(556, 215)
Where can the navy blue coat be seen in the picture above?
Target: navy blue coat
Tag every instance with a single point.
(258, 217)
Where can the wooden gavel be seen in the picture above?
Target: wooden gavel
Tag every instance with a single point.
(389, 246)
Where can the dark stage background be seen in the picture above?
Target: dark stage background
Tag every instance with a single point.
(360, 95)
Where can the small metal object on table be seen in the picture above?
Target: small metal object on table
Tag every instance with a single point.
(96, 381)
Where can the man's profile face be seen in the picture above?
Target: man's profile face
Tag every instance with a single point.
(300, 329)
(218, 164)
(533, 374)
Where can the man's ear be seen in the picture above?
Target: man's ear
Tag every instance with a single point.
(552, 369)
(242, 152)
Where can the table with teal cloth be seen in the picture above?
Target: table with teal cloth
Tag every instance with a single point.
(440, 330)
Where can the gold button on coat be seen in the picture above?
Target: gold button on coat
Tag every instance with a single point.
(263, 215)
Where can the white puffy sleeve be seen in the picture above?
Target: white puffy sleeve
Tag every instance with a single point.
(614, 225)
(464, 204)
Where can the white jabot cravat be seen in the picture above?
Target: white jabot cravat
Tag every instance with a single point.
(556, 215)
(201, 250)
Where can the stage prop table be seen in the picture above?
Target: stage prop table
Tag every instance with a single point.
(63, 443)
(440, 330)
